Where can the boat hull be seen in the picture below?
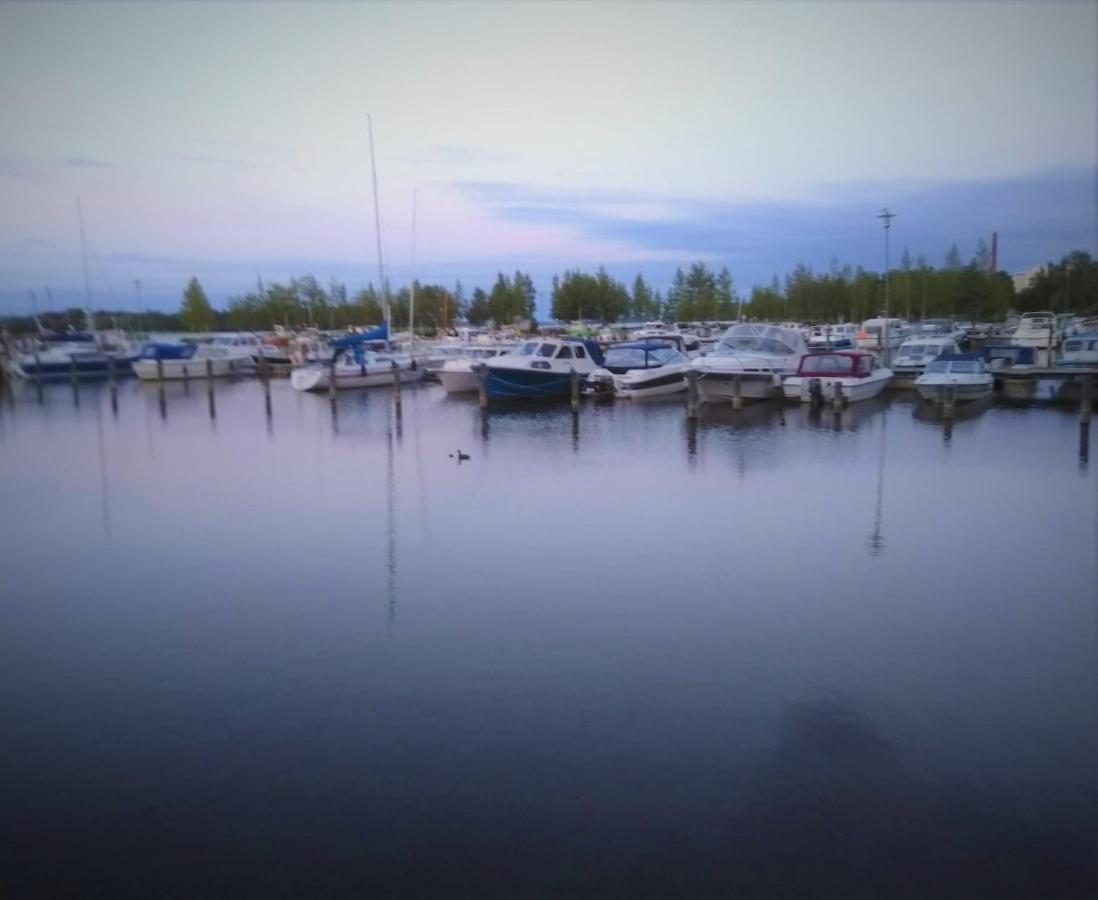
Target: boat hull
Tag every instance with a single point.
(651, 384)
(458, 382)
(962, 393)
(799, 387)
(316, 378)
(517, 384)
(720, 387)
(185, 369)
(58, 370)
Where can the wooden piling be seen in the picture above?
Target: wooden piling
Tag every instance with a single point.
(396, 384)
(737, 392)
(160, 373)
(483, 389)
(837, 401)
(948, 401)
(332, 382)
(575, 385)
(75, 377)
(38, 375)
(112, 381)
(691, 393)
(1086, 401)
(210, 387)
(265, 377)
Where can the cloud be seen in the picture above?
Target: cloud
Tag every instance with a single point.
(450, 155)
(218, 161)
(81, 162)
(1039, 216)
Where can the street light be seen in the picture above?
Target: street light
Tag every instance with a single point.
(887, 218)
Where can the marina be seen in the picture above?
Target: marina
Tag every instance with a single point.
(294, 599)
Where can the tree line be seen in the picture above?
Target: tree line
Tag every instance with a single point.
(698, 293)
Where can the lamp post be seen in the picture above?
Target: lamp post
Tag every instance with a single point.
(887, 218)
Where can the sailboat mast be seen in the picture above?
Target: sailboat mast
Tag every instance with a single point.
(88, 314)
(377, 227)
(412, 298)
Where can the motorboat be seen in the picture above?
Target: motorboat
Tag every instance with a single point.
(462, 374)
(175, 362)
(441, 353)
(858, 375)
(689, 343)
(882, 334)
(917, 351)
(751, 358)
(1035, 329)
(640, 369)
(367, 369)
(963, 373)
(58, 355)
(542, 367)
(1080, 350)
(1008, 356)
(842, 336)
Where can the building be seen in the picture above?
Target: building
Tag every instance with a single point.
(1028, 278)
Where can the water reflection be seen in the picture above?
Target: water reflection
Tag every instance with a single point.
(835, 813)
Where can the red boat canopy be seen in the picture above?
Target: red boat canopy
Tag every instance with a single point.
(839, 364)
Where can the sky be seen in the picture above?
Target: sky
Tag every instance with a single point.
(230, 141)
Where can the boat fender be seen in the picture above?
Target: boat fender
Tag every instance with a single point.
(777, 379)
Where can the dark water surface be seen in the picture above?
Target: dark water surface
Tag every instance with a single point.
(759, 658)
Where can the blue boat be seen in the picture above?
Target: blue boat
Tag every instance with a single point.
(84, 352)
(542, 367)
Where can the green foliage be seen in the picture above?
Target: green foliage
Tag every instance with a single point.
(196, 314)
(512, 298)
(1070, 285)
(480, 310)
(582, 296)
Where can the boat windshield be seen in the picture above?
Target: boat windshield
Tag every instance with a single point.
(963, 367)
(914, 349)
(627, 357)
(759, 339)
(938, 366)
(664, 355)
(528, 348)
(827, 365)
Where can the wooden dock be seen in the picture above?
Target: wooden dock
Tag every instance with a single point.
(1060, 373)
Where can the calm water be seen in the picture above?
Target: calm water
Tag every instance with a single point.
(767, 657)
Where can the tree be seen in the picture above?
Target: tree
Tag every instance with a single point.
(480, 308)
(953, 258)
(982, 259)
(196, 312)
(905, 260)
(578, 295)
(645, 305)
(726, 296)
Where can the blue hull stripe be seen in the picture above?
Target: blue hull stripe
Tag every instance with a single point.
(527, 383)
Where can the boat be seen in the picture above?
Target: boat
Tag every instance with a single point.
(690, 343)
(882, 334)
(859, 375)
(756, 357)
(963, 373)
(175, 362)
(917, 351)
(1008, 356)
(1080, 350)
(1035, 329)
(461, 374)
(90, 354)
(542, 367)
(842, 336)
(641, 369)
(355, 366)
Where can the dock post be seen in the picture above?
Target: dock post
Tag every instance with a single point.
(112, 381)
(950, 399)
(160, 373)
(837, 397)
(483, 395)
(396, 385)
(38, 375)
(737, 392)
(332, 382)
(575, 385)
(160, 388)
(1086, 401)
(75, 380)
(265, 375)
(691, 393)
(210, 387)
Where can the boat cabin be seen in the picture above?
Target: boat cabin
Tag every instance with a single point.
(621, 358)
(956, 364)
(540, 353)
(1081, 350)
(1006, 356)
(839, 364)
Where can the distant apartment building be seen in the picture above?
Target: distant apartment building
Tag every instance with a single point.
(1028, 278)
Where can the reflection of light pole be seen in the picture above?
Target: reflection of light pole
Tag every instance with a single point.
(887, 217)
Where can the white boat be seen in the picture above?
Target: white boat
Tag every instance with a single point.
(641, 369)
(964, 373)
(1080, 350)
(859, 375)
(1035, 329)
(882, 334)
(541, 367)
(92, 354)
(917, 351)
(843, 336)
(756, 356)
(690, 343)
(218, 361)
(360, 370)
(462, 374)
(436, 356)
